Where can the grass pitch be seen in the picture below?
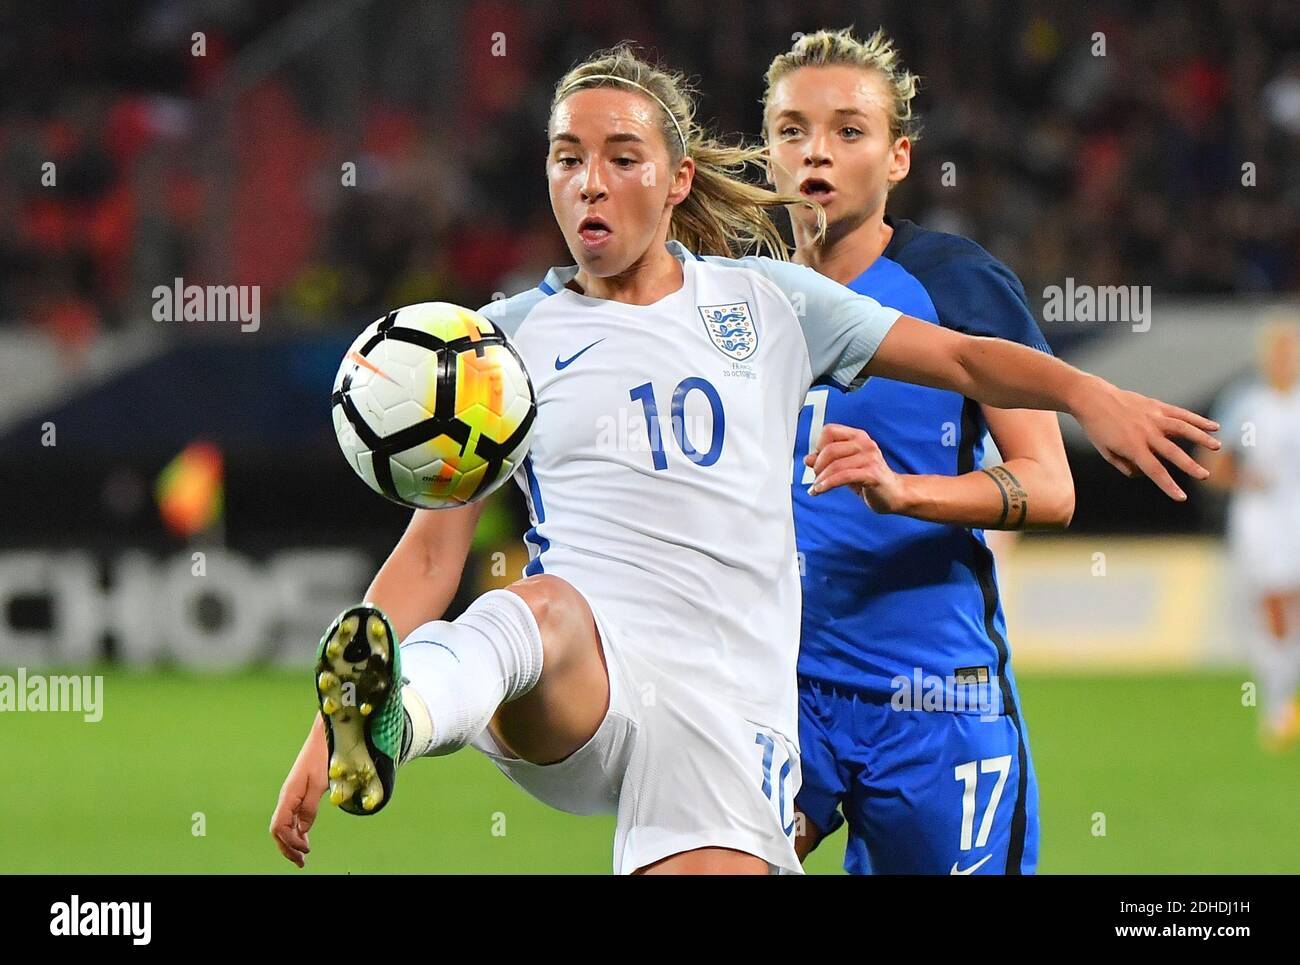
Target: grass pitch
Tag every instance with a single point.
(1171, 761)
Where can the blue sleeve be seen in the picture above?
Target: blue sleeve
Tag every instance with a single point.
(842, 329)
(979, 295)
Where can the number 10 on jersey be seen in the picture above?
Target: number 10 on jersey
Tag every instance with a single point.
(645, 394)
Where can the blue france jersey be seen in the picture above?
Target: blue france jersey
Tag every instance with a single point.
(883, 594)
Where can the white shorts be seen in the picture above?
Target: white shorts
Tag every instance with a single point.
(681, 769)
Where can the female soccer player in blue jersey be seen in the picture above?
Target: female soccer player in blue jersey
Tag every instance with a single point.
(910, 723)
(645, 666)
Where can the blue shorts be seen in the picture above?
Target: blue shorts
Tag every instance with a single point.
(923, 792)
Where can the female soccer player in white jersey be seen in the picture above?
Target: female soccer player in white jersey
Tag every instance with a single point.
(1260, 465)
(645, 666)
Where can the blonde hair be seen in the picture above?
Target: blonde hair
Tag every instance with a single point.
(722, 214)
(1277, 330)
(827, 48)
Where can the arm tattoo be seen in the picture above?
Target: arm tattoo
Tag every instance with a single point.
(1015, 501)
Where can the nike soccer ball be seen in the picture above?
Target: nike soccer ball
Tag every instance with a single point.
(433, 406)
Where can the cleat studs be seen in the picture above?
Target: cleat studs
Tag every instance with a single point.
(348, 629)
(326, 681)
(337, 771)
(366, 710)
(333, 648)
(342, 791)
(329, 706)
(378, 637)
(374, 794)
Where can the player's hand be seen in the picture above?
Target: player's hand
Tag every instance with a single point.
(845, 456)
(1134, 433)
(295, 811)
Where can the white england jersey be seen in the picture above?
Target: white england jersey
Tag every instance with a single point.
(659, 477)
(1261, 426)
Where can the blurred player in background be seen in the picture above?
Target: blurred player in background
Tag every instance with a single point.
(645, 667)
(898, 575)
(1259, 465)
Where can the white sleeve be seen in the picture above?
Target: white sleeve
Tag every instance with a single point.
(509, 313)
(842, 328)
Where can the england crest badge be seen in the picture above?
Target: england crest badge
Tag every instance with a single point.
(731, 328)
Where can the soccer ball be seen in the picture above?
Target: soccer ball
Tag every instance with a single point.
(433, 406)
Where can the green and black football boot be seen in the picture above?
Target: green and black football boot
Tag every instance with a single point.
(359, 686)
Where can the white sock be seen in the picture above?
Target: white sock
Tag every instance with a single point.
(1283, 685)
(1276, 669)
(460, 672)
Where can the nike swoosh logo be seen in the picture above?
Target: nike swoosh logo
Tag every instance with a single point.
(565, 363)
(972, 869)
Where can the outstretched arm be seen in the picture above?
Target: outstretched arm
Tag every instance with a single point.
(851, 337)
(1132, 432)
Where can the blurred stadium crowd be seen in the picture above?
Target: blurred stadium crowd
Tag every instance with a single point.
(1108, 145)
